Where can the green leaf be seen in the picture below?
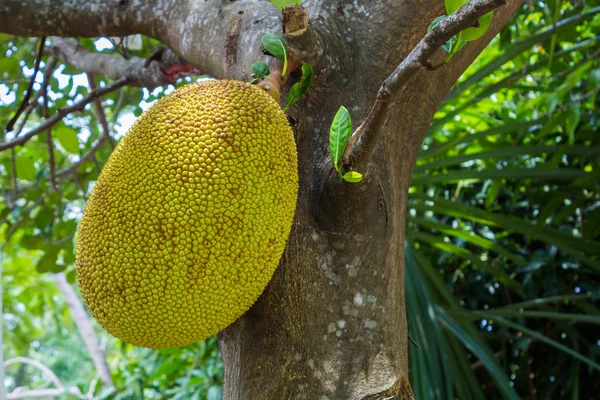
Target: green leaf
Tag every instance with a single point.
(259, 71)
(71, 276)
(592, 319)
(593, 83)
(489, 362)
(551, 174)
(540, 337)
(435, 22)
(578, 247)
(552, 299)
(456, 42)
(275, 46)
(573, 117)
(339, 133)
(166, 369)
(30, 242)
(470, 34)
(434, 369)
(493, 192)
(301, 87)
(509, 152)
(440, 243)
(47, 262)
(9, 66)
(352, 176)
(451, 46)
(67, 138)
(518, 48)
(468, 237)
(282, 3)
(25, 168)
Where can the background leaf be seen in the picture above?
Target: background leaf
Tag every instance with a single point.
(67, 138)
(299, 88)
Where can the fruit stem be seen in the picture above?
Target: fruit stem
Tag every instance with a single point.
(274, 83)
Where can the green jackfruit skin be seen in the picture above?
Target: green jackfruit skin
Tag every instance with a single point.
(189, 217)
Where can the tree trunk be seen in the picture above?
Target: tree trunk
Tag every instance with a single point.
(331, 324)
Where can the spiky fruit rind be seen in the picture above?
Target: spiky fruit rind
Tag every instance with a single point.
(189, 217)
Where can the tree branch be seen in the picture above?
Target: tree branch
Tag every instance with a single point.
(25, 102)
(85, 328)
(100, 114)
(222, 38)
(34, 363)
(165, 67)
(44, 90)
(59, 391)
(60, 114)
(362, 143)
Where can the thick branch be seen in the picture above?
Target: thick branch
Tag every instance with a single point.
(162, 69)
(221, 38)
(361, 145)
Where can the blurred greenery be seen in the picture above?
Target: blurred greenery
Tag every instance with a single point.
(503, 235)
(503, 238)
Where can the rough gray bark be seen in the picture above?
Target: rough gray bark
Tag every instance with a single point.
(331, 324)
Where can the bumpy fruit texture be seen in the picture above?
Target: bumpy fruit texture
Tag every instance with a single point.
(190, 215)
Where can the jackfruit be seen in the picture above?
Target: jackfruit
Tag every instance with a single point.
(190, 215)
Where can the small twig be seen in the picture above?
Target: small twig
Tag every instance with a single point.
(30, 108)
(22, 219)
(578, 99)
(479, 364)
(359, 152)
(567, 71)
(25, 102)
(65, 172)
(117, 107)
(13, 164)
(413, 342)
(47, 74)
(60, 114)
(13, 81)
(96, 164)
(50, 146)
(100, 110)
(59, 391)
(274, 83)
(34, 363)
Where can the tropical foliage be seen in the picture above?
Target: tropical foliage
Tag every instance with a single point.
(504, 216)
(503, 236)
